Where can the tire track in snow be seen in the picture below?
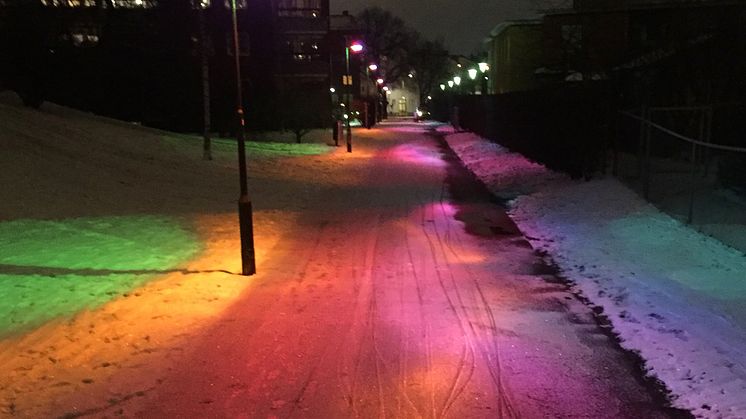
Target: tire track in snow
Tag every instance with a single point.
(427, 333)
(461, 379)
(505, 405)
(349, 369)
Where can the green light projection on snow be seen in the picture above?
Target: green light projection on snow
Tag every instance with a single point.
(56, 268)
(254, 149)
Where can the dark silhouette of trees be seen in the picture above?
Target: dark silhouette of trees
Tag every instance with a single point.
(400, 50)
(430, 62)
(25, 50)
(298, 113)
(388, 42)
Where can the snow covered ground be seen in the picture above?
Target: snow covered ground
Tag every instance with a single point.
(674, 295)
(91, 206)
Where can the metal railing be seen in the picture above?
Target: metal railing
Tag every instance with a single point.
(647, 125)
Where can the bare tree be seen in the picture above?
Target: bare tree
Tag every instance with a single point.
(298, 113)
(429, 60)
(388, 41)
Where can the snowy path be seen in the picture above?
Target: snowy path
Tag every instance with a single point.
(396, 290)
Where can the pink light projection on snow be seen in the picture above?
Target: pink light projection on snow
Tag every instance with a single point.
(410, 153)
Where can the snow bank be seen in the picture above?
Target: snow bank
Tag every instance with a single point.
(672, 294)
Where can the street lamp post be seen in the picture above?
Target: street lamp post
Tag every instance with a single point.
(246, 225)
(473, 76)
(348, 109)
(354, 47)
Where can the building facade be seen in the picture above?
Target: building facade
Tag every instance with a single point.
(140, 60)
(514, 52)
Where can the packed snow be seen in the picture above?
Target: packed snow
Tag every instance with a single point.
(674, 295)
(103, 206)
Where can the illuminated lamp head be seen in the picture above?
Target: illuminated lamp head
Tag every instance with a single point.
(356, 47)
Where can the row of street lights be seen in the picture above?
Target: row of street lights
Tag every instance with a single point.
(245, 210)
(472, 73)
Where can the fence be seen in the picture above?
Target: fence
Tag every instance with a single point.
(565, 128)
(668, 153)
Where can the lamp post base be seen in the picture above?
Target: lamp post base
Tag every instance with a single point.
(246, 228)
(349, 138)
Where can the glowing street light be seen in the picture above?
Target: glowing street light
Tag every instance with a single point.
(332, 90)
(457, 80)
(442, 86)
(355, 47)
(373, 67)
(483, 67)
(379, 81)
(450, 83)
(472, 73)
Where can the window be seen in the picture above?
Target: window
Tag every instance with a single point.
(572, 35)
(133, 4)
(81, 35)
(68, 3)
(299, 8)
(303, 48)
(240, 4)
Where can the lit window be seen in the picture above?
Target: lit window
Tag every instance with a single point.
(240, 4)
(68, 3)
(299, 8)
(81, 35)
(133, 4)
(303, 48)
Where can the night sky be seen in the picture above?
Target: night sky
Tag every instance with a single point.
(461, 23)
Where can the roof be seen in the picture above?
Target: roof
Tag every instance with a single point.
(343, 23)
(630, 5)
(503, 26)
